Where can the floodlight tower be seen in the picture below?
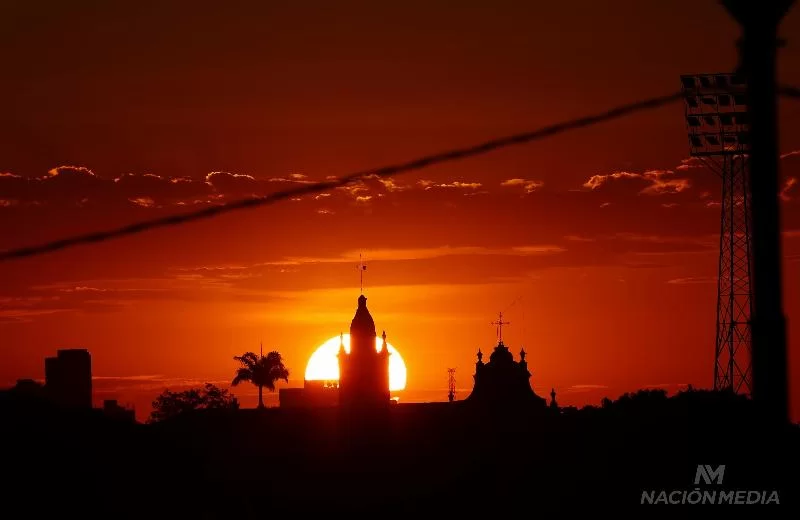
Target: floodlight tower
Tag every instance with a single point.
(451, 384)
(719, 135)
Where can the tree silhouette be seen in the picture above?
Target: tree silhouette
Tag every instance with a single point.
(261, 370)
(170, 404)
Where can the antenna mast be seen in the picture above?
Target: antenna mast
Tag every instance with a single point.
(451, 384)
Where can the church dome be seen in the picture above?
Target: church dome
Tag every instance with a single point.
(362, 324)
(501, 355)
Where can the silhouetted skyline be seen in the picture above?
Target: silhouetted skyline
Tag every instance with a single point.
(613, 247)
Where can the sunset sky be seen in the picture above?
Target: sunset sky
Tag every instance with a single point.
(600, 245)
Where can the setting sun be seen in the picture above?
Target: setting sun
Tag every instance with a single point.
(324, 365)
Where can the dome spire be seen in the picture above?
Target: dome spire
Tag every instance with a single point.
(362, 266)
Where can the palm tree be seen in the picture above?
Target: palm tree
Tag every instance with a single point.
(261, 370)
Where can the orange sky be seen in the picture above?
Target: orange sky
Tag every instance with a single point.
(151, 109)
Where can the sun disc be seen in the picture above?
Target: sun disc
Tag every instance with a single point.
(323, 365)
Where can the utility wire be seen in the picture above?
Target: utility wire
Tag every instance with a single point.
(382, 172)
(788, 91)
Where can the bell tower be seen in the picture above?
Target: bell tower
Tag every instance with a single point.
(364, 371)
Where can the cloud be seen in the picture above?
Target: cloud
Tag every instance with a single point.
(577, 238)
(389, 184)
(690, 163)
(128, 378)
(233, 184)
(25, 315)
(145, 202)
(455, 184)
(528, 185)
(294, 178)
(80, 186)
(596, 181)
(788, 188)
(355, 189)
(690, 280)
(82, 288)
(423, 254)
(652, 182)
(585, 388)
(115, 384)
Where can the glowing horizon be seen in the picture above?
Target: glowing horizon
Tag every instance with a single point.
(323, 365)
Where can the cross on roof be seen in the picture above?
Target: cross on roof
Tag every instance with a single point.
(499, 323)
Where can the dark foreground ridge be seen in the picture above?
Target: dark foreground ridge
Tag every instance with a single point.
(410, 458)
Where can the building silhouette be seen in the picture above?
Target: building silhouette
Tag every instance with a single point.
(364, 371)
(68, 378)
(502, 381)
(313, 394)
(113, 410)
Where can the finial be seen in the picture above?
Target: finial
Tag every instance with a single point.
(522, 354)
(480, 355)
(362, 266)
(261, 349)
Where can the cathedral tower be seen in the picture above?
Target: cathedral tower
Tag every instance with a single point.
(364, 371)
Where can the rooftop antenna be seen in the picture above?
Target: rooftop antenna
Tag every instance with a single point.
(522, 342)
(499, 323)
(451, 384)
(362, 266)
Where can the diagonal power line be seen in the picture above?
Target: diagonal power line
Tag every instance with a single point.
(383, 172)
(788, 91)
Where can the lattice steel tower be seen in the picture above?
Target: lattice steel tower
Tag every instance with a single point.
(716, 118)
(451, 384)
